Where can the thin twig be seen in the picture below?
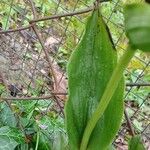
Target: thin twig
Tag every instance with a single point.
(46, 54)
(33, 9)
(15, 30)
(50, 96)
(63, 15)
(137, 84)
(48, 18)
(129, 123)
(30, 98)
(41, 42)
(25, 98)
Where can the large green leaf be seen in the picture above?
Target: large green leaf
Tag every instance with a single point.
(136, 144)
(89, 70)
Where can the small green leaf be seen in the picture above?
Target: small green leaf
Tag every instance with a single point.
(137, 25)
(136, 144)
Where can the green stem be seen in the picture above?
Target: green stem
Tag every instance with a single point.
(109, 91)
(37, 140)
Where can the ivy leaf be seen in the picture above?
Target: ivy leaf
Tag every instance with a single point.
(7, 117)
(89, 70)
(10, 138)
(7, 144)
(136, 144)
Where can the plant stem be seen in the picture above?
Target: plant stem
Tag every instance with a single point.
(108, 93)
(37, 140)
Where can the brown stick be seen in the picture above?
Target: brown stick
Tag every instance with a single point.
(129, 123)
(15, 30)
(31, 98)
(33, 25)
(48, 18)
(138, 84)
(62, 15)
(46, 54)
(33, 9)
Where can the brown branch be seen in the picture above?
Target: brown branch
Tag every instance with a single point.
(41, 42)
(138, 84)
(47, 18)
(31, 98)
(62, 15)
(46, 53)
(47, 97)
(25, 98)
(33, 9)
(129, 124)
(15, 30)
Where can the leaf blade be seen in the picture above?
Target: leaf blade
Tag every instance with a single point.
(89, 70)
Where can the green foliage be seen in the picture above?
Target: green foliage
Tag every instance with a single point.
(60, 142)
(46, 6)
(89, 70)
(2, 89)
(136, 144)
(137, 24)
(10, 138)
(7, 118)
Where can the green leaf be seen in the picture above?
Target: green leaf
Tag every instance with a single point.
(7, 144)
(10, 138)
(7, 117)
(137, 25)
(2, 89)
(111, 147)
(136, 144)
(44, 143)
(89, 70)
(60, 142)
